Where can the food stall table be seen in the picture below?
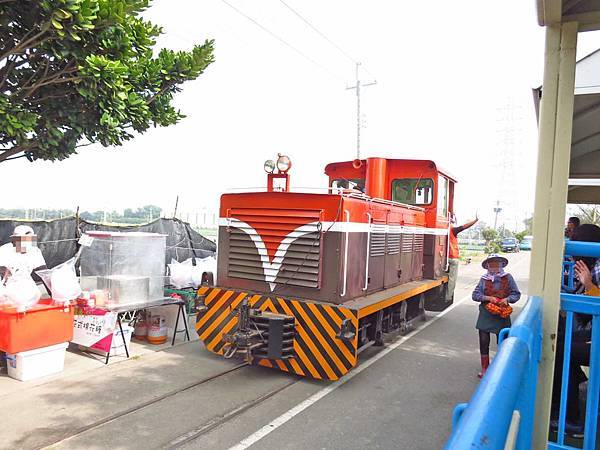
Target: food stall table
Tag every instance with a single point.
(130, 311)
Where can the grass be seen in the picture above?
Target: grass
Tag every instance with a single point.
(473, 252)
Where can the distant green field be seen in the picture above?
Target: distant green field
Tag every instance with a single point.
(209, 233)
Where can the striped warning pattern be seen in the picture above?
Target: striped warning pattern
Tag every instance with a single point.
(318, 353)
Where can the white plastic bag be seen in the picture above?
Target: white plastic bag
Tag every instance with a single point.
(21, 291)
(202, 266)
(62, 281)
(180, 274)
(3, 298)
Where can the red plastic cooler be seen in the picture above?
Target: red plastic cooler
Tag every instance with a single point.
(40, 326)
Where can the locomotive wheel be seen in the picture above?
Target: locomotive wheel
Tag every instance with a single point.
(437, 299)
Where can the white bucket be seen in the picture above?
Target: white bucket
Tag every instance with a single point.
(141, 330)
(37, 363)
(157, 331)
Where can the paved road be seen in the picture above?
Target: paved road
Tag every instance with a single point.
(401, 396)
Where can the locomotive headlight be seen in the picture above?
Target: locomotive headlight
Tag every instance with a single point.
(269, 166)
(284, 163)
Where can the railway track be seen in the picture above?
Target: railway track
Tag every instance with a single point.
(221, 420)
(187, 437)
(201, 429)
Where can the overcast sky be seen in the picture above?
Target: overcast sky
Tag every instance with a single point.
(454, 85)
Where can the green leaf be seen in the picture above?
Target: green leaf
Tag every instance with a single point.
(57, 24)
(63, 14)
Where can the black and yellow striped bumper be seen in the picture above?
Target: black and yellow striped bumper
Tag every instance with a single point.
(318, 353)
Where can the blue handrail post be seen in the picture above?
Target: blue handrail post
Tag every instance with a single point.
(591, 416)
(562, 414)
(457, 413)
(504, 332)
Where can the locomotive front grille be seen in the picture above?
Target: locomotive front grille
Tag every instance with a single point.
(275, 245)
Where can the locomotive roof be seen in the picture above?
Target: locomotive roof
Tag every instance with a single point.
(424, 161)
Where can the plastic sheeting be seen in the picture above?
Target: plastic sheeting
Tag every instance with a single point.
(57, 239)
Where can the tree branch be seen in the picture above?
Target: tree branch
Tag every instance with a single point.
(7, 69)
(50, 97)
(160, 92)
(23, 86)
(53, 79)
(29, 42)
(13, 151)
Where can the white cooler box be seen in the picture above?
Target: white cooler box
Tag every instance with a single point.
(37, 363)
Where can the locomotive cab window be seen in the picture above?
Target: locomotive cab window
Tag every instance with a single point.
(413, 191)
(354, 183)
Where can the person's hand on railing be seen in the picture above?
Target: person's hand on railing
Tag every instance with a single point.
(583, 274)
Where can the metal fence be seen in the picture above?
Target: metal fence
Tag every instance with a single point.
(573, 308)
(500, 414)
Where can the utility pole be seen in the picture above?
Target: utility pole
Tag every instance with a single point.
(497, 210)
(176, 203)
(357, 86)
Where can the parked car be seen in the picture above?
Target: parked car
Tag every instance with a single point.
(509, 245)
(526, 243)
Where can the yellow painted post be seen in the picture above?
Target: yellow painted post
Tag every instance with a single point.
(556, 122)
(547, 127)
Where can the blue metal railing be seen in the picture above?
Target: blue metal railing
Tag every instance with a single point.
(510, 383)
(568, 270)
(572, 304)
(508, 386)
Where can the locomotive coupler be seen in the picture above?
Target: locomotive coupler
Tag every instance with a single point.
(260, 335)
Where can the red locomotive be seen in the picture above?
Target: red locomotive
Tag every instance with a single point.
(304, 280)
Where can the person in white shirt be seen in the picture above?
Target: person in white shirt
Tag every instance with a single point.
(21, 254)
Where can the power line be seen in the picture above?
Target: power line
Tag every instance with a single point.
(280, 39)
(320, 33)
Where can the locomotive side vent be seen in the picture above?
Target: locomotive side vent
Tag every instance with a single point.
(377, 247)
(419, 240)
(407, 243)
(393, 240)
(292, 239)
